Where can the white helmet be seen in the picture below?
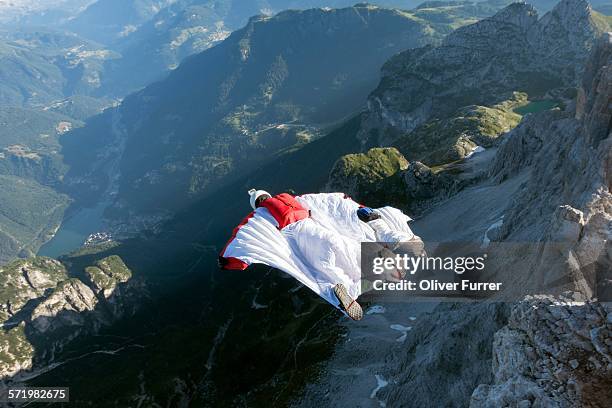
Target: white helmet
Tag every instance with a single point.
(255, 194)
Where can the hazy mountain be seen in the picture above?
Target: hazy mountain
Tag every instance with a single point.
(39, 12)
(107, 20)
(183, 28)
(180, 30)
(40, 67)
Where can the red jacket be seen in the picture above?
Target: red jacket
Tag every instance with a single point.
(285, 209)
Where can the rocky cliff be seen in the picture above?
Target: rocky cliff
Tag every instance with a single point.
(566, 156)
(43, 308)
(553, 353)
(482, 64)
(556, 352)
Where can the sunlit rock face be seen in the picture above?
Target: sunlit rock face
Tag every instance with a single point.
(552, 353)
(483, 64)
(43, 308)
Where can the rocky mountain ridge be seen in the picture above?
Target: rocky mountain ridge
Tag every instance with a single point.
(485, 62)
(557, 352)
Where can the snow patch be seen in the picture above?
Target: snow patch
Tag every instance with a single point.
(376, 309)
(380, 384)
(475, 150)
(486, 240)
(402, 329)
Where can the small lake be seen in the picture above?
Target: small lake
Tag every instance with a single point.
(74, 231)
(536, 106)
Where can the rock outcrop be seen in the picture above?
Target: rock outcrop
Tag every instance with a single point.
(43, 308)
(63, 307)
(373, 177)
(26, 280)
(552, 353)
(107, 273)
(441, 141)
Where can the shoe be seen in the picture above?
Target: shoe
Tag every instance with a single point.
(350, 306)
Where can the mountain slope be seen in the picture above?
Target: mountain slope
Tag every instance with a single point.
(179, 30)
(42, 74)
(268, 87)
(29, 215)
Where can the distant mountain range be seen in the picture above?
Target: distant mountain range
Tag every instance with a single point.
(107, 20)
(156, 39)
(43, 66)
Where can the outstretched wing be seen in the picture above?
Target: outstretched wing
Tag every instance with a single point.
(257, 240)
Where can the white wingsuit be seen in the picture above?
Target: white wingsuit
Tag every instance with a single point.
(320, 251)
